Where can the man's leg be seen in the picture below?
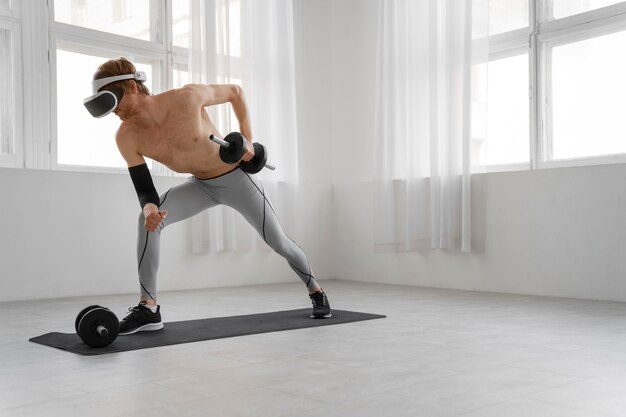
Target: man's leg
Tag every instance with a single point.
(247, 196)
(245, 193)
(180, 202)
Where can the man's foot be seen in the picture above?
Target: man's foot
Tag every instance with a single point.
(141, 319)
(321, 306)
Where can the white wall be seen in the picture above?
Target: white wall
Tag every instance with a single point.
(559, 232)
(71, 234)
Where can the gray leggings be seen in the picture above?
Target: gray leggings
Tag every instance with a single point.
(236, 189)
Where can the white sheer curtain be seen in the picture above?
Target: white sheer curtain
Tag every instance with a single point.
(430, 109)
(250, 43)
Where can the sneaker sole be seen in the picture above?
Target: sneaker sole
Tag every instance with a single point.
(325, 316)
(145, 328)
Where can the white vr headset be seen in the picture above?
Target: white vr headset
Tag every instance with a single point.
(104, 102)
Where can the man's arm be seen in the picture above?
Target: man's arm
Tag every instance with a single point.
(142, 180)
(209, 95)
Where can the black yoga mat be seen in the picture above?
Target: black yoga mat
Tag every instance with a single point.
(204, 329)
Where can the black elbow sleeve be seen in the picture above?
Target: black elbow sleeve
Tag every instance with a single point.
(142, 180)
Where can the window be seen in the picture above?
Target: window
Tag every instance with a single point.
(587, 96)
(86, 33)
(6, 94)
(556, 82)
(508, 140)
(229, 41)
(507, 15)
(565, 8)
(180, 23)
(84, 140)
(10, 86)
(180, 76)
(123, 17)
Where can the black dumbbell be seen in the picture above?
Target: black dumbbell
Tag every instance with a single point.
(258, 161)
(233, 148)
(97, 326)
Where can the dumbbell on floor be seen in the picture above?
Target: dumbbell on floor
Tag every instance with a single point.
(233, 148)
(97, 326)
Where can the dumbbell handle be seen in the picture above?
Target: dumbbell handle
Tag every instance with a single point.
(224, 144)
(102, 331)
(219, 141)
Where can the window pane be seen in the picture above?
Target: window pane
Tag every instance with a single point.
(181, 77)
(508, 139)
(6, 93)
(507, 15)
(564, 8)
(180, 22)
(82, 139)
(228, 20)
(226, 118)
(122, 17)
(588, 90)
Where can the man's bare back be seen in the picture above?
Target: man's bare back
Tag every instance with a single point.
(173, 128)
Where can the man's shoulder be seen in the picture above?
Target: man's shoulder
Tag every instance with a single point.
(176, 96)
(126, 140)
(126, 134)
(176, 92)
(125, 130)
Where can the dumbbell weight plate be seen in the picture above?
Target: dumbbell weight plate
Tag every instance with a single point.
(235, 151)
(257, 162)
(90, 323)
(82, 313)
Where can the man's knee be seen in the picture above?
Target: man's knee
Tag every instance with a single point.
(283, 246)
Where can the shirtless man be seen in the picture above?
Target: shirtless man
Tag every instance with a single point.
(173, 128)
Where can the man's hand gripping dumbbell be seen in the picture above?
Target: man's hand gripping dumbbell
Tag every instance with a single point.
(233, 147)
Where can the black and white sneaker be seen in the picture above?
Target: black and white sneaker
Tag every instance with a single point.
(141, 319)
(321, 306)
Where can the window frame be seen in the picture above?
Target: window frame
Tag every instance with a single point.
(508, 45)
(11, 12)
(10, 21)
(66, 43)
(35, 46)
(553, 33)
(538, 39)
(90, 41)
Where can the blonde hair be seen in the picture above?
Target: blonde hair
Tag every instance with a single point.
(121, 66)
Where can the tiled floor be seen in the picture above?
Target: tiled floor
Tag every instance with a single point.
(439, 353)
